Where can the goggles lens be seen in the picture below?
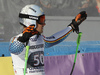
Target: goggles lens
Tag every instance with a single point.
(41, 19)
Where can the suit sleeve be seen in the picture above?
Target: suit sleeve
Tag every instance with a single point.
(57, 37)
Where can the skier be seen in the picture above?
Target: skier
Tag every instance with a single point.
(32, 18)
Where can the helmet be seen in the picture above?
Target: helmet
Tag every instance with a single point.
(31, 14)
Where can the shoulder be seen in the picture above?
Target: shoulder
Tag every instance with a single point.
(14, 38)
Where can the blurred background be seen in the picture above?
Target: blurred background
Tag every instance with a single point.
(59, 14)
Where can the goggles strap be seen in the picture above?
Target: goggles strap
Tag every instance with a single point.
(32, 17)
(28, 16)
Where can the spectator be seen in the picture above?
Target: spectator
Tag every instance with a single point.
(98, 6)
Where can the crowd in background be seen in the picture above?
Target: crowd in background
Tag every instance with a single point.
(9, 10)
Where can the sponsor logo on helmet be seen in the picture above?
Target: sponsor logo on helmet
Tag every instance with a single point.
(32, 17)
(41, 9)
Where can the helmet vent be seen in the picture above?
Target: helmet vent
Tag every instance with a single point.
(32, 9)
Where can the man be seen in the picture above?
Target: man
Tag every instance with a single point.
(32, 18)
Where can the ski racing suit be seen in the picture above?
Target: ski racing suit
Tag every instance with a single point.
(35, 63)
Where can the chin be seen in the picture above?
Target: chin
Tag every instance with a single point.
(41, 32)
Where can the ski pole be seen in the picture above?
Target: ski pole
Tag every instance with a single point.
(26, 58)
(78, 42)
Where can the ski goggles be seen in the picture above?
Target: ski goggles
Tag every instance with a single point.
(40, 19)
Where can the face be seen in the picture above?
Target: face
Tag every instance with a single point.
(39, 27)
(40, 23)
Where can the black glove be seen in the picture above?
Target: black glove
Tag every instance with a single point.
(78, 20)
(27, 33)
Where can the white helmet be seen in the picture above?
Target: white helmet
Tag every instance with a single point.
(30, 14)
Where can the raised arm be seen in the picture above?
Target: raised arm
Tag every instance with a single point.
(57, 37)
(61, 35)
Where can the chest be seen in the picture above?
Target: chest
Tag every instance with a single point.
(36, 43)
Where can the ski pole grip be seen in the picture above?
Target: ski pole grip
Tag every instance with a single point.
(79, 38)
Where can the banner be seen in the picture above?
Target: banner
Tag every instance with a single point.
(86, 64)
(59, 59)
(6, 67)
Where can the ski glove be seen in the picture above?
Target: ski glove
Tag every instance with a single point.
(27, 33)
(78, 20)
